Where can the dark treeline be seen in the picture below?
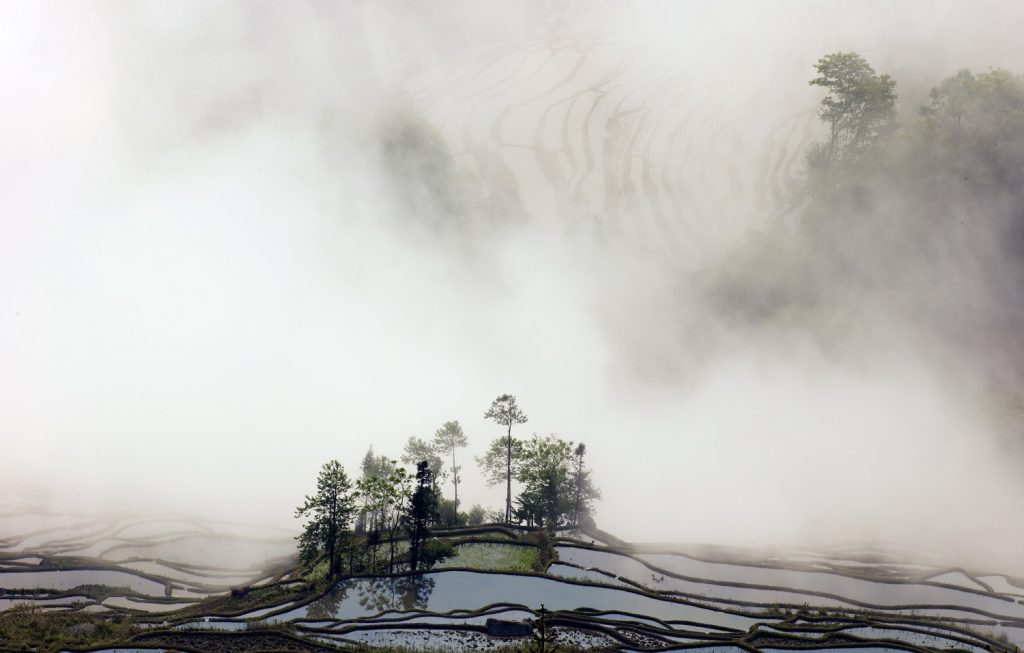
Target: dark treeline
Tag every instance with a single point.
(908, 227)
(381, 522)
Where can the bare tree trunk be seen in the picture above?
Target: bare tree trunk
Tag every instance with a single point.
(508, 475)
(391, 562)
(455, 481)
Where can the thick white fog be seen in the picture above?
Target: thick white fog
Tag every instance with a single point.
(217, 270)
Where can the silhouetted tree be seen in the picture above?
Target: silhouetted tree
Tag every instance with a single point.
(417, 450)
(329, 513)
(584, 491)
(544, 638)
(547, 496)
(504, 411)
(556, 483)
(422, 512)
(446, 440)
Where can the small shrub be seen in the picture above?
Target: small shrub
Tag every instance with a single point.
(448, 515)
(434, 551)
(476, 515)
(545, 543)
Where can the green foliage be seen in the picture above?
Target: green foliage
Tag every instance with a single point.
(493, 557)
(494, 516)
(316, 574)
(972, 131)
(544, 542)
(329, 515)
(584, 492)
(31, 628)
(100, 592)
(256, 597)
(859, 107)
(496, 460)
(417, 450)
(982, 108)
(557, 486)
(448, 516)
(428, 182)
(447, 439)
(376, 465)
(383, 504)
(421, 513)
(435, 550)
(546, 497)
(970, 138)
(477, 515)
(505, 411)
(926, 220)
(770, 273)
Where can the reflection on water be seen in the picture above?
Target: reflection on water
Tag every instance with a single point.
(374, 595)
(401, 593)
(443, 591)
(328, 606)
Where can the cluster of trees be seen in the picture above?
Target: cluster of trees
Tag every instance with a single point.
(348, 523)
(972, 128)
(931, 210)
(447, 440)
(557, 488)
(914, 215)
(859, 108)
(382, 521)
(961, 158)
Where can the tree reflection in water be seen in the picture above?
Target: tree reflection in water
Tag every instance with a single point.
(374, 595)
(328, 606)
(395, 593)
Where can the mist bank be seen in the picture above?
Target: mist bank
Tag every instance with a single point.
(240, 242)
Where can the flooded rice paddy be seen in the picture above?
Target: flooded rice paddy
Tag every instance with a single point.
(173, 577)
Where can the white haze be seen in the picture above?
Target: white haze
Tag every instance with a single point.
(209, 286)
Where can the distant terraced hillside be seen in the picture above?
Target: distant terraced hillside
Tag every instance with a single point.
(587, 129)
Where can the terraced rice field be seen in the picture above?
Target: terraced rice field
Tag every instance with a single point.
(600, 595)
(590, 131)
(603, 134)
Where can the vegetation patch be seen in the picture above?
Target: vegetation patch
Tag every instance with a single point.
(545, 547)
(32, 628)
(244, 601)
(492, 557)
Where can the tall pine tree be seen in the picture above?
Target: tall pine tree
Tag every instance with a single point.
(329, 515)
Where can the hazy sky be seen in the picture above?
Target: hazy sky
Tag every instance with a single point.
(211, 283)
